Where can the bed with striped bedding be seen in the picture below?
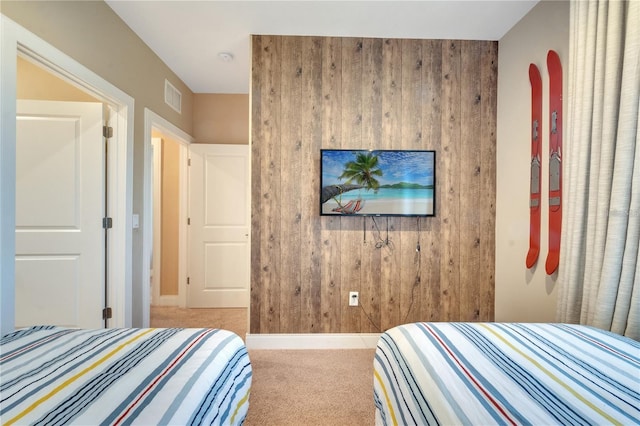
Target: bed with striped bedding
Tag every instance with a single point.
(498, 373)
(54, 376)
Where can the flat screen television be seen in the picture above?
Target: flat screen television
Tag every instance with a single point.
(377, 182)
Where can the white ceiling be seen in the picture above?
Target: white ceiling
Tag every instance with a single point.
(188, 35)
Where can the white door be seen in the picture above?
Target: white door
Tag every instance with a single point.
(219, 212)
(60, 260)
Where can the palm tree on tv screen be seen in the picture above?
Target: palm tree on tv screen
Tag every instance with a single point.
(363, 171)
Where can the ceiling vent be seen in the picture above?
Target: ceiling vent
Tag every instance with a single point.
(172, 96)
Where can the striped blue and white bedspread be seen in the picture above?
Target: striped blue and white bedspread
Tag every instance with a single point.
(52, 376)
(492, 373)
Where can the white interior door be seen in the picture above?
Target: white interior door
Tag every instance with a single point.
(59, 209)
(219, 212)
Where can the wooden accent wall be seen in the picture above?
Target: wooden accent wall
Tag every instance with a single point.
(310, 93)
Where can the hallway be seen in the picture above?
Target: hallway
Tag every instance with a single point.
(232, 319)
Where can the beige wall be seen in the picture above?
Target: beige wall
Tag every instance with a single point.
(92, 34)
(221, 118)
(521, 294)
(37, 83)
(170, 217)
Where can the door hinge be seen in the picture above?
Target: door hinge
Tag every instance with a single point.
(107, 223)
(106, 313)
(107, 131)
(188, 280)
(189, 162)
(188, 221)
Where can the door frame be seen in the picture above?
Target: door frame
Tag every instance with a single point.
(16, 40)
(154, 121)
(156, 220)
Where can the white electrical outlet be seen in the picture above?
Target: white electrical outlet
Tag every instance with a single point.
(353, 298)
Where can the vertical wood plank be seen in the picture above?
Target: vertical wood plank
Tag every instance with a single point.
(470, 174)
(270, 249)
(450, 181)
(331, 138)
(430, 233)
(291, 183)
(351, 249)
(310, 253)
(371, 139)
(410, 138)
(489, 83)
(257, 144)
(391, 133)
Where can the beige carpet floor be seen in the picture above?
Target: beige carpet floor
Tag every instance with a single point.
(232, 319)
(311, 388)
(292, 387)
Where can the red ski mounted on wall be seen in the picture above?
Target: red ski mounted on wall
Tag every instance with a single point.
(536, 170)
(555, 160)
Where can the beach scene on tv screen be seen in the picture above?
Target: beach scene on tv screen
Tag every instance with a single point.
(377, 182)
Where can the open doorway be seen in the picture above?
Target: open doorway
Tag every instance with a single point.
(164, 145)
(20, 43)
(63, 132)
(168, 217)
(167, 305)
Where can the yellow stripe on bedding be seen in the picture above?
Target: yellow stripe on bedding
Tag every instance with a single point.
(240, 404)
(386, 397)
(553, 377)
(74, 378)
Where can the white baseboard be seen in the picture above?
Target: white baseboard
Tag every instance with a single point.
(313, 341)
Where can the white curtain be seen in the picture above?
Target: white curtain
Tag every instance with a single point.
(599, 272)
